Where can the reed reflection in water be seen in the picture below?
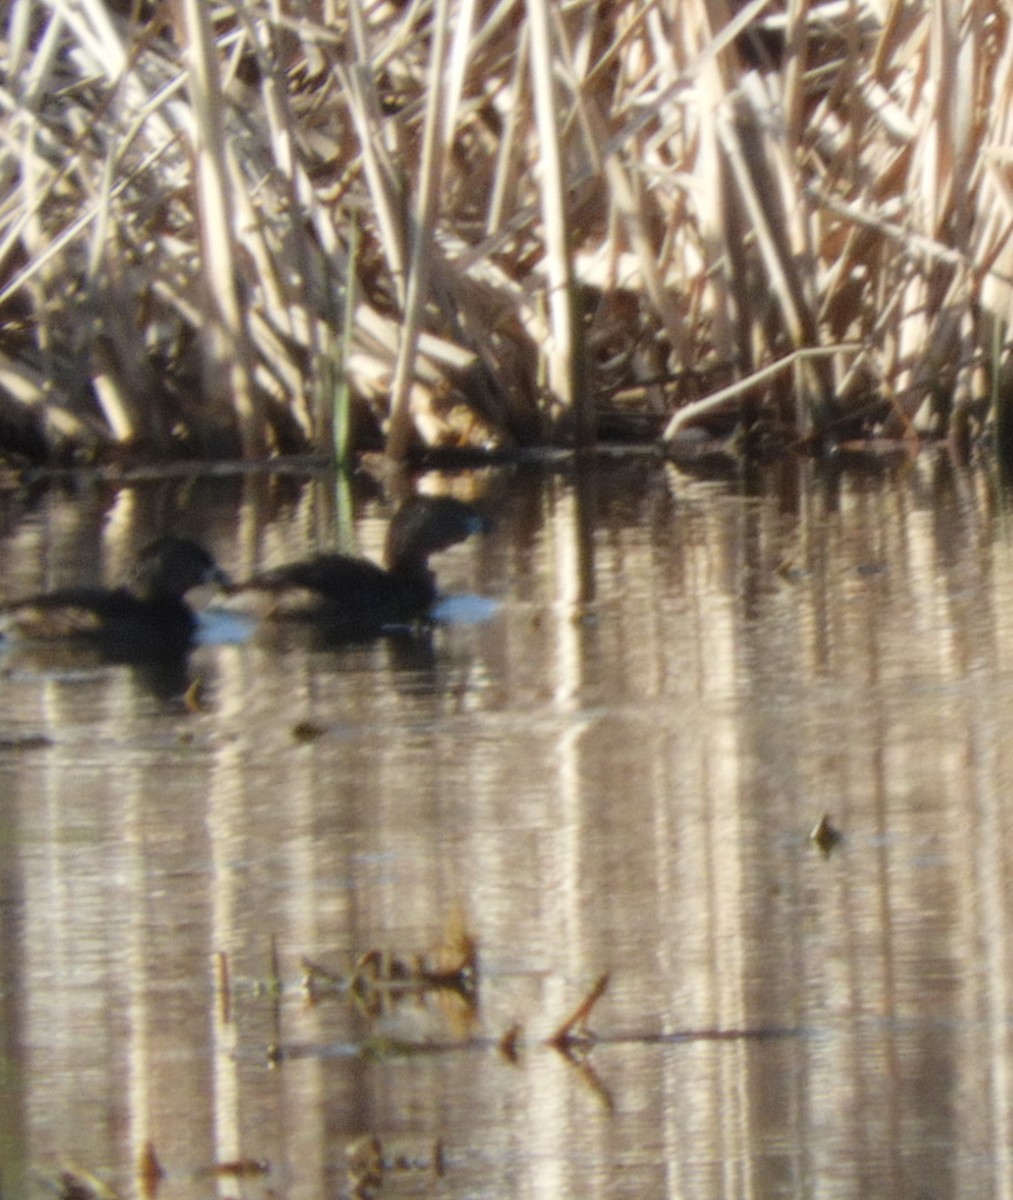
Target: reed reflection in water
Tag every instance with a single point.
(617, 771)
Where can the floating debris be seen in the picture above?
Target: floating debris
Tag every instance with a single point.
(381, 979)
(149, 1171)
(275, 981)
(238, 1168)
(574, 1033)
(509, 1043)
(305, 732)
(193, 697)
(367, 1165)
(76, 1184)
(318, 981)
(364, 1166)
(825, 835)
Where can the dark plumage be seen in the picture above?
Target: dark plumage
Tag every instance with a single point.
(353, 597)
(147, 616)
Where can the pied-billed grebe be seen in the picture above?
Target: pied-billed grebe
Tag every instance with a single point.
(353, 597)
(147, 616)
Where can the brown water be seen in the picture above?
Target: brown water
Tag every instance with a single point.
(615, 771)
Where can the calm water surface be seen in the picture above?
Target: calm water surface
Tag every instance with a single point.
(614, 769)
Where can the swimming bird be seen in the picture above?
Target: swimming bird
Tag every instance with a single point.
(354, 597)
(145, 617)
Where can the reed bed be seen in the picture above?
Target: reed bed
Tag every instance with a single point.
(288, 225)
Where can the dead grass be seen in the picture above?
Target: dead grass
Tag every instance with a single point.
(316, 223)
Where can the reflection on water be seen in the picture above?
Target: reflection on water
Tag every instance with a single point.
(228, 925)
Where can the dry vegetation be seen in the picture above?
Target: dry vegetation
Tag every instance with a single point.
(279, 225)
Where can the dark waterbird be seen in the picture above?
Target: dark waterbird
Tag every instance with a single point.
(353, 597)
(146, 617)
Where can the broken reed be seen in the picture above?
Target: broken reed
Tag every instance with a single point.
(255, 228)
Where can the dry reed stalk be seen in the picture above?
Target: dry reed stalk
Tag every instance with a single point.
(226, 368)
(562, 348)
(437, 126)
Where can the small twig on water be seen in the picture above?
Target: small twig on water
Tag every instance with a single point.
(574, 1030)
